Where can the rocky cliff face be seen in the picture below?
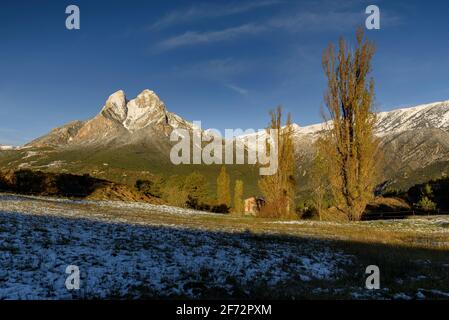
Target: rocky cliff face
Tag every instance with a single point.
(117, 121)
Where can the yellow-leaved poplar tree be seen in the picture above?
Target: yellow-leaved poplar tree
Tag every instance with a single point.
(349, 144)
(238, 198)
(319, 182)
(223, 188)
(279, 189)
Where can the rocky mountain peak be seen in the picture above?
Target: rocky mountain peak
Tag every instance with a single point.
(147, 108)
(148, 95)
(118, 98)
(115, 107)
(120, 119)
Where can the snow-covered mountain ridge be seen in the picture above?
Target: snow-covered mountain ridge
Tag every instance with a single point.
(432, 115)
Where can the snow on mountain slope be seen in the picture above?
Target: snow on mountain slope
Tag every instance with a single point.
(433, 115)
(3, 147)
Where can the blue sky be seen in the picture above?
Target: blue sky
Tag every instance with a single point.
(225, 63)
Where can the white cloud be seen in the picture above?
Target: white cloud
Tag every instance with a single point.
(332, 20)
(226, 68)
(237, 89)
(293, 21)
(318, 21)
(190, 38)
(209, 11)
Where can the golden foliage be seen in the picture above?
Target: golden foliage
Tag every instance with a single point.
(223, 188)
(279, 188)
(319, 182)
(238, 198)
(350, 145)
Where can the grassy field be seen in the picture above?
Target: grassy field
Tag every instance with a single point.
(121, 165)
(132, 250)
(128, 163)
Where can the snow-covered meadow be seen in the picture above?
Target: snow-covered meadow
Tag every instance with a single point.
(130, 250)
(120, 260)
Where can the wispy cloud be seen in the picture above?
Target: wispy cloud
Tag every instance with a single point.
(332, 19)
(237, 89)
(193, 37)
(209, 11)
(317, 21)
(301, 22)
(218, 69)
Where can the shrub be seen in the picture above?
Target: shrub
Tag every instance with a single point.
(4, 185)
(426, 204)
(193, 203)
(29, 182)
(221, 208)
(391, 192)
(174, 196)
(152, 187)
(271, 210)
(74, 186)
(197, 187)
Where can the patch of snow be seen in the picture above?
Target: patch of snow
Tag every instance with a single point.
(5, 148)
(435, 292)
(30, 154)
(134, 261)
(401, 296)
(119, 257)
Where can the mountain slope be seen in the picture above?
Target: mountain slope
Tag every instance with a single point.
(433, 115)
(129, 139)
(415, 142)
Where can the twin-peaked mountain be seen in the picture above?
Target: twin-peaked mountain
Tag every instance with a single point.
(129, 139)
(120, 121)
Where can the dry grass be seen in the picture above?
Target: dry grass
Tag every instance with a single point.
(413, 232)
(411, 253)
